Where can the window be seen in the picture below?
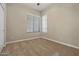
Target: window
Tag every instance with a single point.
(36, 23)
(44, 23)
(33, 23)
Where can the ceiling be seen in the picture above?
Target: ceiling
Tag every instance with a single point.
(41, 7)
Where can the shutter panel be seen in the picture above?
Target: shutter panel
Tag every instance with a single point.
(29, 23)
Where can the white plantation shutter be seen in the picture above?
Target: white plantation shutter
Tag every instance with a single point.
(33, 23)
(44, 23)
(29, 23)
(36, 24)
(39, 24)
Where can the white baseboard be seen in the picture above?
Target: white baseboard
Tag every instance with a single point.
(21, 40)
(73, 46)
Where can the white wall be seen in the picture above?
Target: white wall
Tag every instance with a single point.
(17, 22)
(63, 23)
